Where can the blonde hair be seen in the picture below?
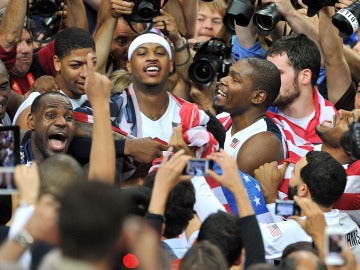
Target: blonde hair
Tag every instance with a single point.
(120, 79)
(215, 6)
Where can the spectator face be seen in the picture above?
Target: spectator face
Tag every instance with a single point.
(123, 36)
(24, 54)
(4, 92)
(53, 125)
(150, 65)
(208, 24)
(357, 98)
(296, 184)
(330, 132)
(235, 91)
(289, 90)
(71, 70)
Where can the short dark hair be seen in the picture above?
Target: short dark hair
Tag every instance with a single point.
(325, 177)
(90, 219)
(35, 105)
(265, 76)
(301, 51)
(72, 38)
(179, 208)
(223, 230)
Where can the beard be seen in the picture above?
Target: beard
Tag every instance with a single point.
(284, 100)
(292, 191)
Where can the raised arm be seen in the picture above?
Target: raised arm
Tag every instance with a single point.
(76, 14)
(338, 76)
(102, 155)
(12, 24)
(103, 34)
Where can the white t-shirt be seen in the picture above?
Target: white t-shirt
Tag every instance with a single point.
(163, 127)
(278, 235)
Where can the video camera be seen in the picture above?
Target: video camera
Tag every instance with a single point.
(144, 11)
(212, 58)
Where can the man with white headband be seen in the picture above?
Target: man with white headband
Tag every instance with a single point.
(145, 111)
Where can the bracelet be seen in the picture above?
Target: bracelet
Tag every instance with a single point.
(155, 216)
(183, 47)
(187, 61)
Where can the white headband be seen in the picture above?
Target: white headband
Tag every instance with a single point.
(148, 38)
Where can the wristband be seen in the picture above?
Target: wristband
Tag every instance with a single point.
(183, 47)
(155, 216)
(24, 239)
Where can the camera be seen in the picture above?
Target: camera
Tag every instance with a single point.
(144, 11)
(334, 243)
(211, 59)
(315, 5)
(239, 10)
(198, 167)
(286, 208)
(350, 141)
(347, 19)
(265, 19)
(45, 8)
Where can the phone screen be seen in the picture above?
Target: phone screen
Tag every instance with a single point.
(9, 157)
(198, 167)
(334, 245)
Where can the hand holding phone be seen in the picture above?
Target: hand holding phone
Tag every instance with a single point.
(198, 167)
(287, 208)
(334, 244)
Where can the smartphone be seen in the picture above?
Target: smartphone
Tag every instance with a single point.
(9, 157)
(286, 208)
(198, 167)
(334, 243)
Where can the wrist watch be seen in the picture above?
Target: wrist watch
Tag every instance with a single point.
(24, 238)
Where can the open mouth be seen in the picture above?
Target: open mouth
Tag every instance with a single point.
(152, 70)
(57, 142)
(221, 93)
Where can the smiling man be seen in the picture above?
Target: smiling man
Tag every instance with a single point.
(52, 127)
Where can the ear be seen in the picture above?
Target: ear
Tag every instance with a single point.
(258, 96)
(31, 121)
(305, 76)
(303, 190)
(57, 63)
(128, 66)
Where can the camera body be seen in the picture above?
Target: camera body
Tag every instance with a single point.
(266, 18)
(287, 208)
(211, 59)
(347, 19)
(239, 10)
(198, 166)
(144, 11)
(45, 8)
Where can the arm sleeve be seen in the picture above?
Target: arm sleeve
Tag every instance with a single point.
(252, 240)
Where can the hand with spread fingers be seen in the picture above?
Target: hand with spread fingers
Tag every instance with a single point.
(167, 25)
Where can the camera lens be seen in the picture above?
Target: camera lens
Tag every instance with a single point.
(240, 11)
(146, 10)
(201, 72)
(267, 18)
(347, 20)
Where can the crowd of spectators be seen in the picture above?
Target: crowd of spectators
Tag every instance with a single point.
(115, 98)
